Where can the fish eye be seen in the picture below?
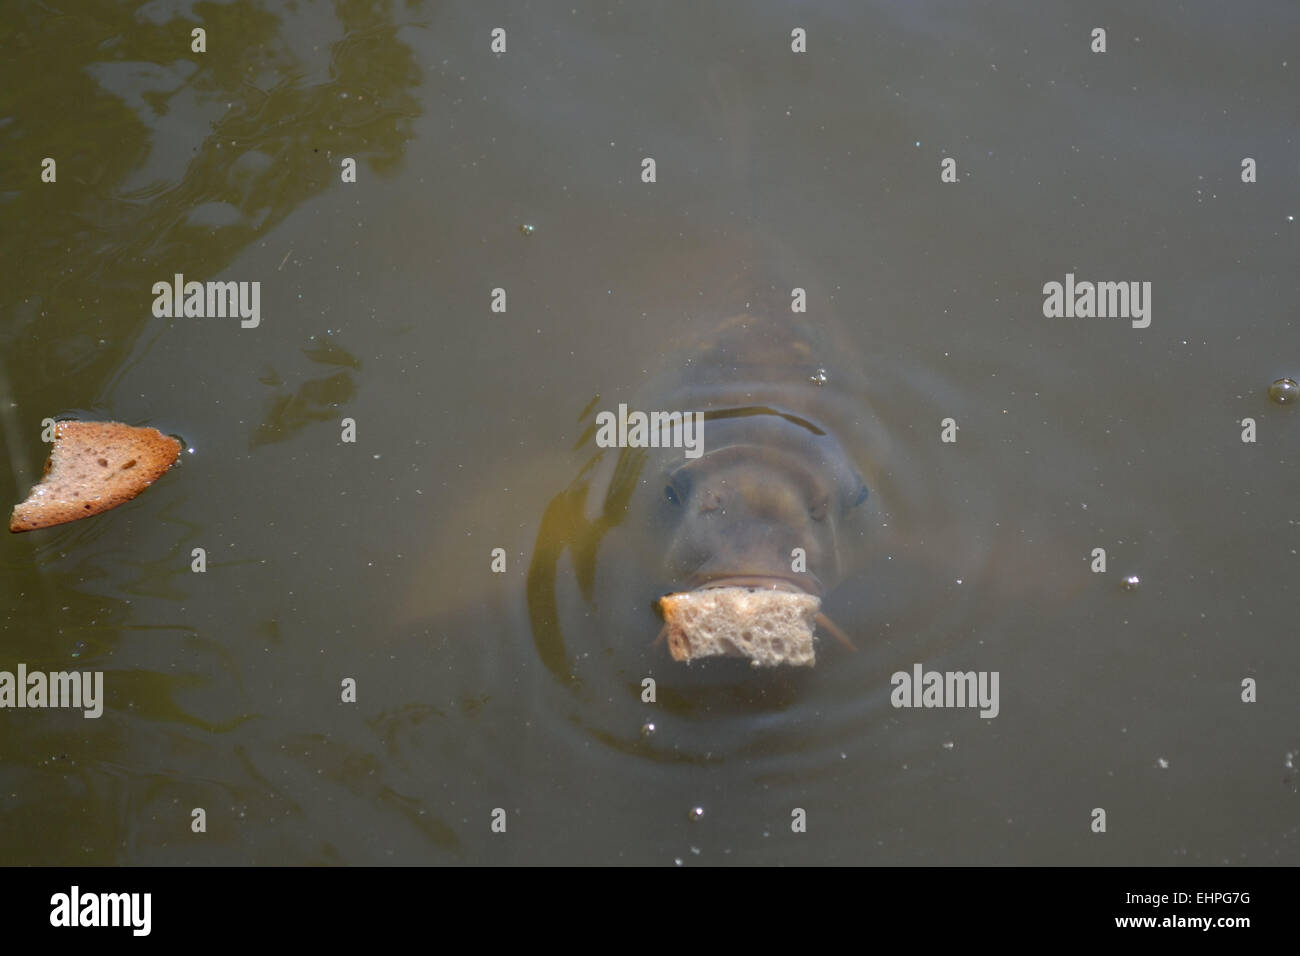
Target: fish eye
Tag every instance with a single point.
(678, 488)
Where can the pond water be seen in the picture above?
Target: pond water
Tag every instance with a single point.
(371, 559)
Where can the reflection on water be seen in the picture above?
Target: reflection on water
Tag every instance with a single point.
(565, 528)
(315, 400)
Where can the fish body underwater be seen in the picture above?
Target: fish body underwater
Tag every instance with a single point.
(775, 495)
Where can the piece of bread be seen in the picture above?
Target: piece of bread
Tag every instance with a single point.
(768, 626)
(94, 466)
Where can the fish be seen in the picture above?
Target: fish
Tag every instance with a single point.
(775, 498)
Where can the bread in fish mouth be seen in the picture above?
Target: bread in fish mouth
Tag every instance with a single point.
(769, 626)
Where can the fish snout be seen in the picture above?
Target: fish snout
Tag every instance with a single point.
(794, 583)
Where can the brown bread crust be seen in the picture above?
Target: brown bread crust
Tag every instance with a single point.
(94, 467)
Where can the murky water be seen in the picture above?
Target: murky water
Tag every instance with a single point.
(371, 560)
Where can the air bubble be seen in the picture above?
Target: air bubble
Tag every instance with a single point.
(696, 814)
(819, 377)
(1130, 583)
(527, 229)
(648, 729)
(1284, 391)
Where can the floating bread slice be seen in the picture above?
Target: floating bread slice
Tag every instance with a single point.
(769, 627)
(93, 467)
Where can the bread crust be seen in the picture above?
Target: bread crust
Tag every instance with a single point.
(94, 467)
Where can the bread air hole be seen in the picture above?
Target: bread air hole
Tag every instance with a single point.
(129, 464)
(103, 463)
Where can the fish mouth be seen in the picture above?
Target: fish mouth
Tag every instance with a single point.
(798, 584)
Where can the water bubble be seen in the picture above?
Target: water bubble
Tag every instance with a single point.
(697, 814)
(1284, 391)
(527, 228)
(1162, 763)
(1130, 583)
(648, 729)
(819, 377)
(948, 745)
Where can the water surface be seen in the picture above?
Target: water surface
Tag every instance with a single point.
(371, 560)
